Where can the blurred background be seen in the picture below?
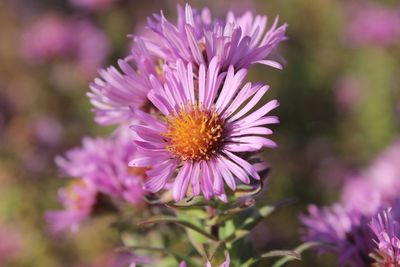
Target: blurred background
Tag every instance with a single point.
(339, 94)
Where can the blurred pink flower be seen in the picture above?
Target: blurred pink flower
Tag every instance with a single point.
(92, 4)
(47, 130)
(384, 173)
(373, 24)
(78, 199)
(103, 162)
(10, 245)
(347, 93)
(74, 40)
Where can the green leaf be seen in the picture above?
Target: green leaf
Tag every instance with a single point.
(300, 249)
(282, 253)
(232, 212)
(292, 255)
(190, 203)
(177, 221)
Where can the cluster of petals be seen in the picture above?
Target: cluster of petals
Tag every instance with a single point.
(363, 228)
(243, 129)
(99, 166)
(385, 226)
(197, 38)
(194, 68)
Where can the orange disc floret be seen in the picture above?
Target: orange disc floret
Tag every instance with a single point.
(194, 133)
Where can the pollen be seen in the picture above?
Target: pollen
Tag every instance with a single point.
(194, 133)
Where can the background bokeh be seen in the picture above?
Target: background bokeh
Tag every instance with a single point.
(339, 94)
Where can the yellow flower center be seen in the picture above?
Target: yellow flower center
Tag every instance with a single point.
(194, 134)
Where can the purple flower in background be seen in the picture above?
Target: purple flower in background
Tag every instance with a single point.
(339, 231)
(384, 172)
(387, 239)
(48, 130)
(47, 38)
(204, 125)
(104, 163)
(78, 41)
(78, 199)
(11, 243)
(374, 25)
(114, 92)
(343, 228)
(348, 93)
(358, 194)
(119, 259)
(197, 38)
(92, 4)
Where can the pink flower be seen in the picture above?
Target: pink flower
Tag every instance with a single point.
(206, 124)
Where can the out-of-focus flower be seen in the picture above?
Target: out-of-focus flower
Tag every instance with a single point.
(360, 195)
(374, 25)
(114, 93)
(384, 172)
(104, 163)
(343, 228)
(339, 231)
(11, 243)
(203, 129)
(387, 239)
(47, 130)
(55, 38)
(78, 199)
(376, 185)
(197, 38)
(119, 259)
(92, 4)
(348, 93)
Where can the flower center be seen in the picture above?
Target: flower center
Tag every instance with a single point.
(194, 134)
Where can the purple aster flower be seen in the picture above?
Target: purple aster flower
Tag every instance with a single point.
(387, 239)
(78, 199)
(197, 38)
(339, 231)
(373, 24)
(104, 162)
(207, 124)
(114, 92)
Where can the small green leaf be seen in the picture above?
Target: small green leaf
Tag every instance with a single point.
(300, 249)
(177, 221)
(282, 253)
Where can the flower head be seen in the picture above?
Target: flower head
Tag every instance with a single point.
(339, 231)
(104, 163)
(197, 38)
(78, 199)
(204, 123)
(114, 92)
(387, 239)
